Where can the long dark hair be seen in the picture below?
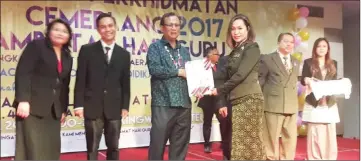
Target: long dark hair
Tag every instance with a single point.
(329, 64)
(67, 45)
(251, 34)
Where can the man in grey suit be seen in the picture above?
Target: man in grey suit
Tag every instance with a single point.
(278, 75)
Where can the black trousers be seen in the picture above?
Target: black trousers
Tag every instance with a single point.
(93, 134)
(225, 124)
(38, 138)
(173, 123)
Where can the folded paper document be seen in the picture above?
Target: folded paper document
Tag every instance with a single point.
(331, 87)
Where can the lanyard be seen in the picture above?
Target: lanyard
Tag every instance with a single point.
(177, 63)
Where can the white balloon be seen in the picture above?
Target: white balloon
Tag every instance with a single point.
(303, 47)
(301, 22)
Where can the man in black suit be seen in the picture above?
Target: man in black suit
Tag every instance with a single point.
(102, 89)
(212, 104)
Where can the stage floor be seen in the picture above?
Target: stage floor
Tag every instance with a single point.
(348, 149)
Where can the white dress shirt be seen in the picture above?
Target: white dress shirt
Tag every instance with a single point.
(111, 46)
(289, 66)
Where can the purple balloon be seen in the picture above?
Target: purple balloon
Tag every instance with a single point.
(300, 113)
(299, 121)
(304, 12)
(299, 118)
(297, 40)
(299, 91)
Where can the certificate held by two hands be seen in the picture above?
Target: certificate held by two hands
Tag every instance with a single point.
(331, 87)
(199, 77)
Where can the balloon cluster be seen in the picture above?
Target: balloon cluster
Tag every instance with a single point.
(298, 16)
(301, 93)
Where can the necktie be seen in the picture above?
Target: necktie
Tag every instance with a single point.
(106, 54)
(286, 64)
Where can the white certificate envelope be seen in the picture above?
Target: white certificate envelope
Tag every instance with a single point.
(199, 77)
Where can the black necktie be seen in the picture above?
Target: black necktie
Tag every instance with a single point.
(106, 54)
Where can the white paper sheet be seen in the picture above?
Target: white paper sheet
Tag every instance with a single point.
(199, 78)
(331, 87)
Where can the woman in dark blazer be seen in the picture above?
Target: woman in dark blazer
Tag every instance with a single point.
(321, 137)
(244, 91)
(41, 93)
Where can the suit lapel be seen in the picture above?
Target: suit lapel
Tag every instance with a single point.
(294, 64)
(50, 58)
(279, 63)
(328, 76)
(99, 51)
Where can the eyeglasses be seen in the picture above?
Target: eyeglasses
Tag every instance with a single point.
(172, 25)
(214, 54)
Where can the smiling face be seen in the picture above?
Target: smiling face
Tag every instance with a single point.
(171, 28)
(239, 31)
(59, 34)
(107, 29)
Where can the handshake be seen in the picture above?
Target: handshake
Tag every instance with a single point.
(182, 73)
(199, 94)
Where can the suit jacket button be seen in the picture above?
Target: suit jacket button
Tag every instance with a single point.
(105, 91)
(54, 91)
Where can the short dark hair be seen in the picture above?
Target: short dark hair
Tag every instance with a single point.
(208, 50)
(103, 15)
(280, 36)
(166, 15)
(67, 45)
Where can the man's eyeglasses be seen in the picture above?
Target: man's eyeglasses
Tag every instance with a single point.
(172, 25)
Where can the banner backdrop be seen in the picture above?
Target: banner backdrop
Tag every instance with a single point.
(204, 23)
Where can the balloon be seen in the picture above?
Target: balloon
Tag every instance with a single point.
(298, 40)
(304, 12)
(301, 100)
(299, 121)
(300, 113)
(302, 130)
(297, 56)
(293, 14)
(299, 91)
(304, 35)
(301, 22)
(303, 47)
